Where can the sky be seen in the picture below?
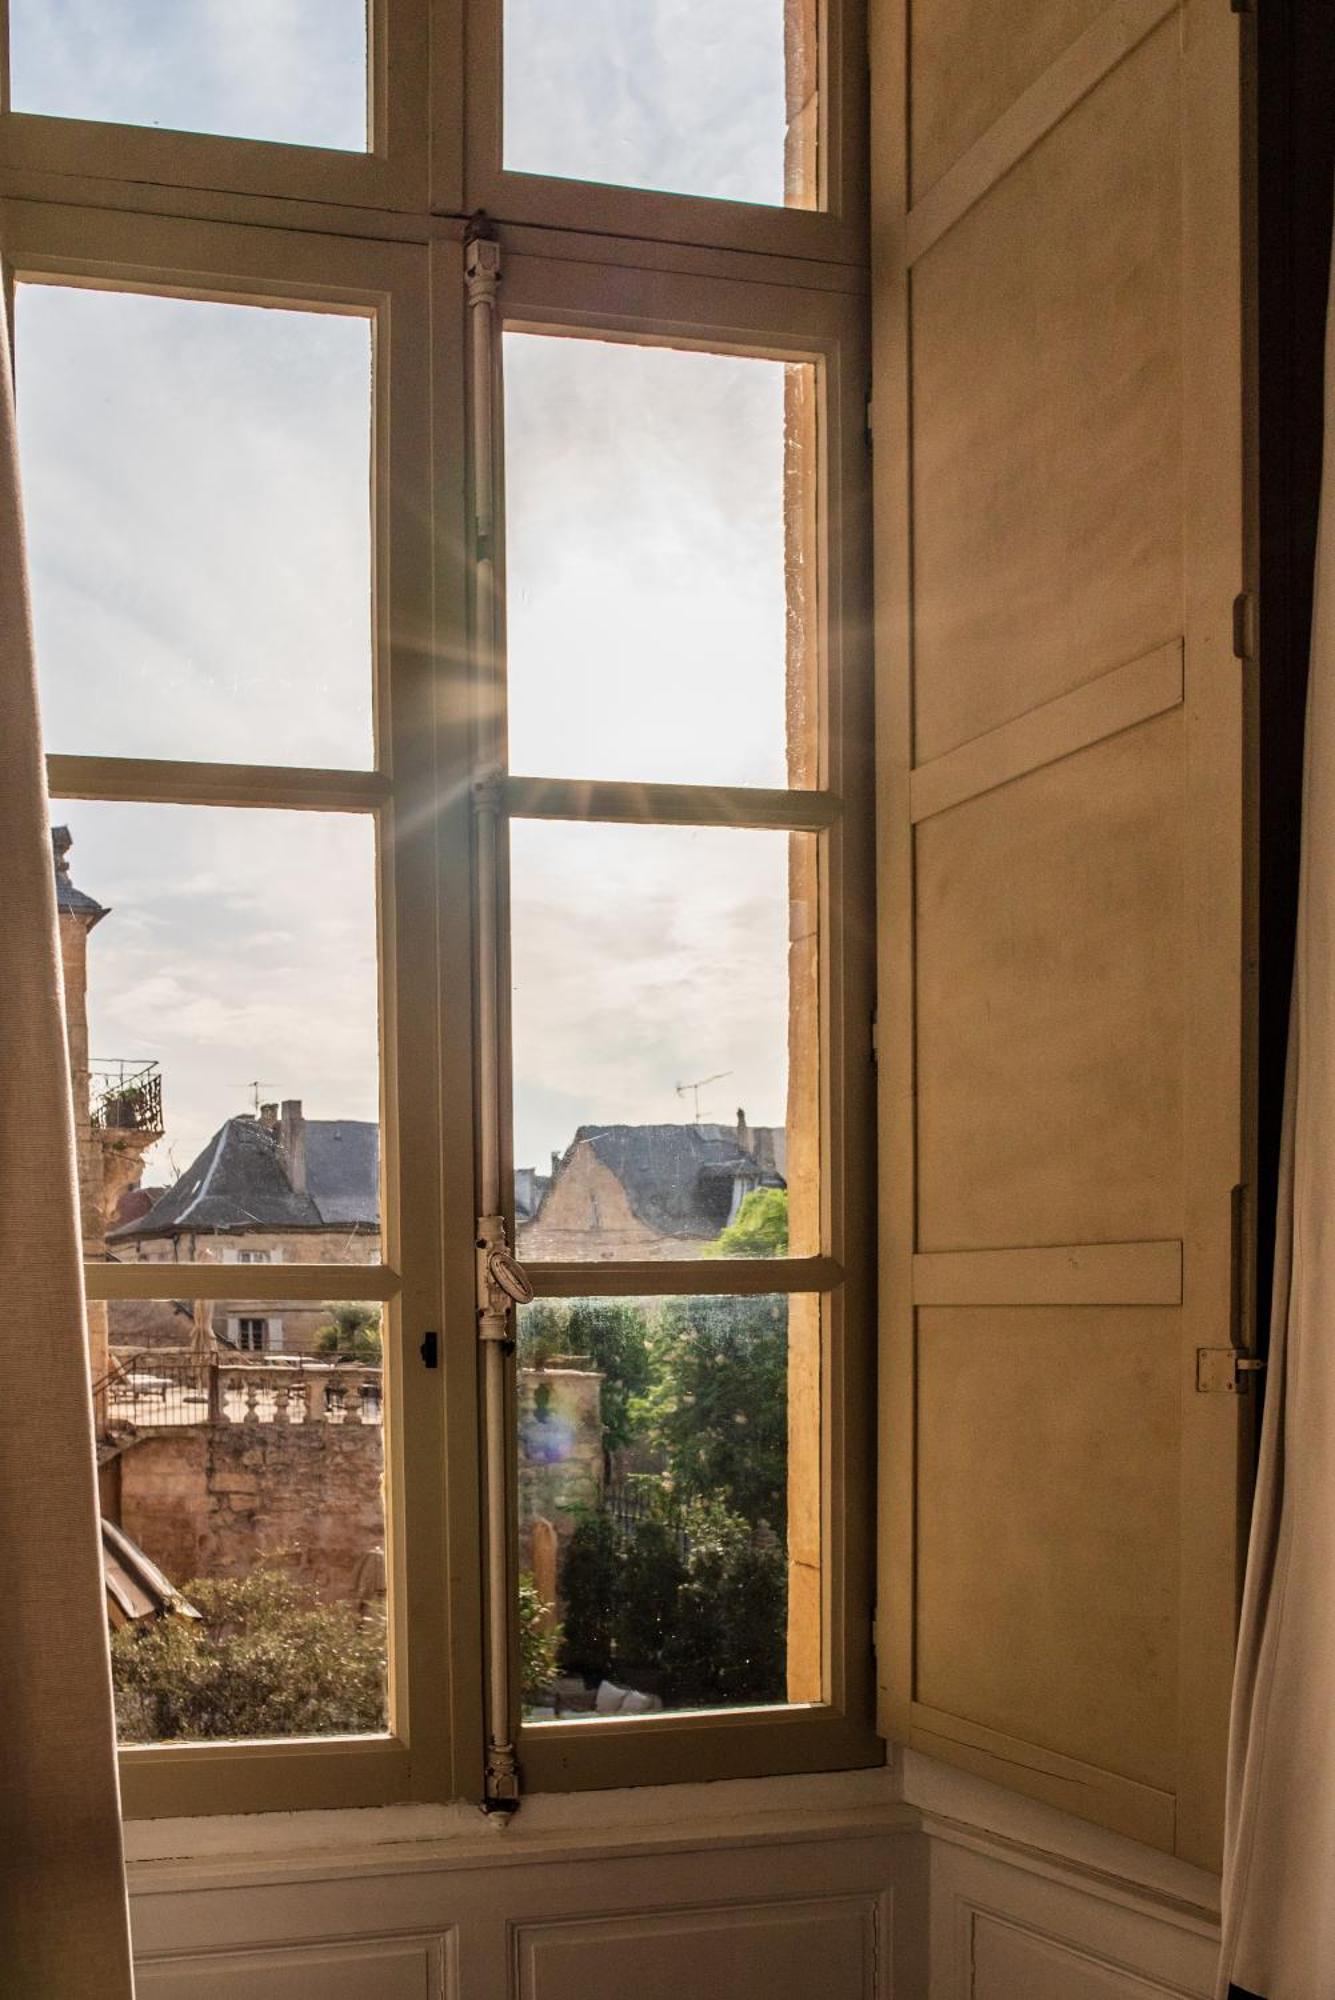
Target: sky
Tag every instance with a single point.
(197, 481)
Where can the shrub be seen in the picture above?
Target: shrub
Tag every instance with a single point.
(265, 1658)
(728, 1636)
(591, 1586)
(652, 1574)
(707, 1628)
(539, 1642)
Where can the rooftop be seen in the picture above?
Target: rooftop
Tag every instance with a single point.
(252, 1175)
(686, 1180)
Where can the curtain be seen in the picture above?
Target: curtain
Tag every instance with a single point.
(64, 1924)
(1279, 1858)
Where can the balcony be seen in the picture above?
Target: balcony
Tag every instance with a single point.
(161, 1389)
(125, 1095)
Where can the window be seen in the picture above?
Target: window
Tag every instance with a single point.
(453, 659)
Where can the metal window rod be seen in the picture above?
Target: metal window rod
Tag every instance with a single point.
(500, 1281)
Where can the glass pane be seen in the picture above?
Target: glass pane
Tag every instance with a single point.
(669, 1504)
(220, 994)
(665, 1041)
(248, 69)
(243, 1535)
(197, 488)
(682, 96)
(659, 562)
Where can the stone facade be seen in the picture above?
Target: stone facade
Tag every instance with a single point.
(210, 1499)
(293, 1324)
(109, 1157)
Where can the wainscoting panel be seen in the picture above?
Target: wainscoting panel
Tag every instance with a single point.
(786, 1951)
(368, 1969)
(1032, 1929)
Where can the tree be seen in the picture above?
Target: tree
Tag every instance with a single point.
(265, 1658)
(353, 1334)
(759, 1229)
(719, 1411)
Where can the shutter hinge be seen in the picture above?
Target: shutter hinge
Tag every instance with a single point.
(430, 1350)
(871, 425)
(1223, 1371)
(875, 1038)
(1244, 625)
(1243, 6)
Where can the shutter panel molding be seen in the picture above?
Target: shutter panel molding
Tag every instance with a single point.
(1065, 922)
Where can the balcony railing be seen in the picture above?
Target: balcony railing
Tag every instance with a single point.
(163, 1388)
(125, 1095)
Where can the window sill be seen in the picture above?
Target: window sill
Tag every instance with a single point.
(169, 1855)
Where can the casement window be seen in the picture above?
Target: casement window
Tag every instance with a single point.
(455, 657)
(456, 637)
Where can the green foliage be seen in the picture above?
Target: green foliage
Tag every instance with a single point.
(353, 1334)
(728, 1637)
(539, 1641)
(718, 1414)
(612, 1335)
(704, 1628)
(653, 1573)
(759, 1230)
(591, 1585)
(265, 1658)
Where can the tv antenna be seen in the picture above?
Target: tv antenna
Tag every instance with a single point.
(696, 1088)
(255, 1085)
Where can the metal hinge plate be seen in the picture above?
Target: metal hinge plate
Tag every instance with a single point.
(1224, 1371)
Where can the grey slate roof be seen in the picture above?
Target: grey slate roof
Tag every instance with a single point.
(241, 1181)
(680, 1179)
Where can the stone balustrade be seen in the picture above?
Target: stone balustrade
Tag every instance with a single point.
(169, 1388)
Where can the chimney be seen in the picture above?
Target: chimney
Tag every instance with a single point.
(292, 1139)
(269, 1117)
(743, 1132)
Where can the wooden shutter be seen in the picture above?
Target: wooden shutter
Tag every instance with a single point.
(1061, 535)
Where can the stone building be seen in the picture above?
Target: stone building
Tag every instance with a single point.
(279, 1188)
(650, 1192)
(117, 1104)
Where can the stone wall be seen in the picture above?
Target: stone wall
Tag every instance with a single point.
(560, 1450)
(208, 1500)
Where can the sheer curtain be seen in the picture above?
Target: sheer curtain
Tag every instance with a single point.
(64, 1929)
(1279, 1862)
